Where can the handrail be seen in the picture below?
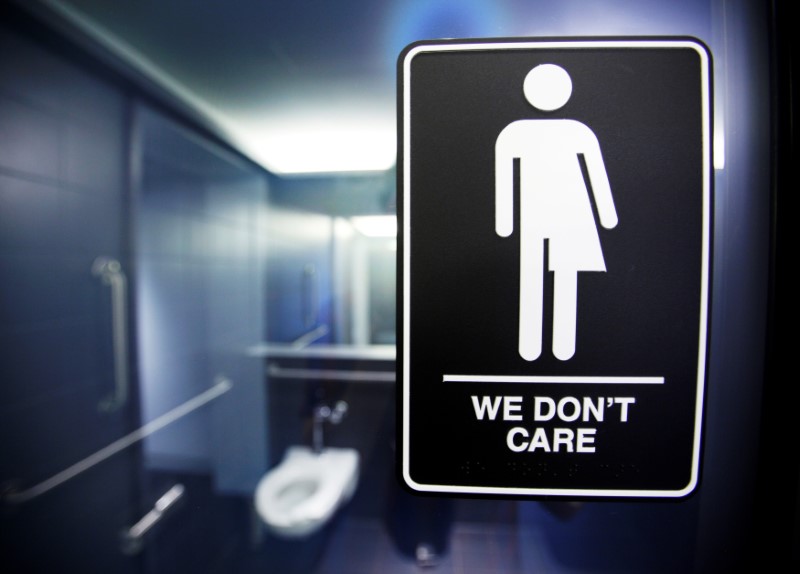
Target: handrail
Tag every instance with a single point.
(222, 385)
(327, 351)
(331, 374)
(133, 538)
(110, 272)
(310, 295)
(306, 339)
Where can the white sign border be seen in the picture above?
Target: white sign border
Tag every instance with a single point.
(705, 64)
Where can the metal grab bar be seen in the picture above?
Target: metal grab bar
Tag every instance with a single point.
(305, 340)
(222, 386)
(331, 374)
(110, 272)
(310, 295)
(133, 538)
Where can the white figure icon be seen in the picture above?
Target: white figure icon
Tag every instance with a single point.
(554, 205)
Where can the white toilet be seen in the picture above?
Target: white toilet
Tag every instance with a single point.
(302, 493)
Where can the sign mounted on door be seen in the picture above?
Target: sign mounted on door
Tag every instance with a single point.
(555, 240)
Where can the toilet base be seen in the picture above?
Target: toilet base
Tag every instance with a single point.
(420, 527)
(278, 555)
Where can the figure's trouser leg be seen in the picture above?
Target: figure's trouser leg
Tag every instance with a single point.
(531, 295)
(565, 309)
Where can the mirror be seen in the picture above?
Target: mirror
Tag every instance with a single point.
(346, 228)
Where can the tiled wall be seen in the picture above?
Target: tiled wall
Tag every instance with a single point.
(199, 239)
(298, 279)
(63, 159)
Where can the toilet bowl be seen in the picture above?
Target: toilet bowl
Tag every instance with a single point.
(302, 493)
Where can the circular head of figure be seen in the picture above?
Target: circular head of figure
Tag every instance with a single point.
(547, 87)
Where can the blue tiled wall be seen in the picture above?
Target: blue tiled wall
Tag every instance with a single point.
(63, 162)
(61, 207)
(199, 237)
(296, 301)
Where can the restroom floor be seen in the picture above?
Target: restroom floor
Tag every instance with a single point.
(363, 546)
(214, 534)
(593, 538)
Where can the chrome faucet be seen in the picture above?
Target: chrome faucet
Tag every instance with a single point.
(323, 413)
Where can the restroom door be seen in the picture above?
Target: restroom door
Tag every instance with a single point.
(64, 358)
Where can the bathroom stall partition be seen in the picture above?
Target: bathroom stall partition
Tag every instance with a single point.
(200, 217)
(66, 354)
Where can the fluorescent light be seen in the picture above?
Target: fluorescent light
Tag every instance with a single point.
(351, 134)
(306, 149)
(376, 225)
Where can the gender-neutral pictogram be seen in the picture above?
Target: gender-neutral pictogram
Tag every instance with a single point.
(555, 208)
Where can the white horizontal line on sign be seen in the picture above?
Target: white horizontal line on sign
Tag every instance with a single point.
(553, 380)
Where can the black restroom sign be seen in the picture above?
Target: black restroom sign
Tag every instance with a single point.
(555, 228)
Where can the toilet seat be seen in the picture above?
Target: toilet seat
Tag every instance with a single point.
(304, 491)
